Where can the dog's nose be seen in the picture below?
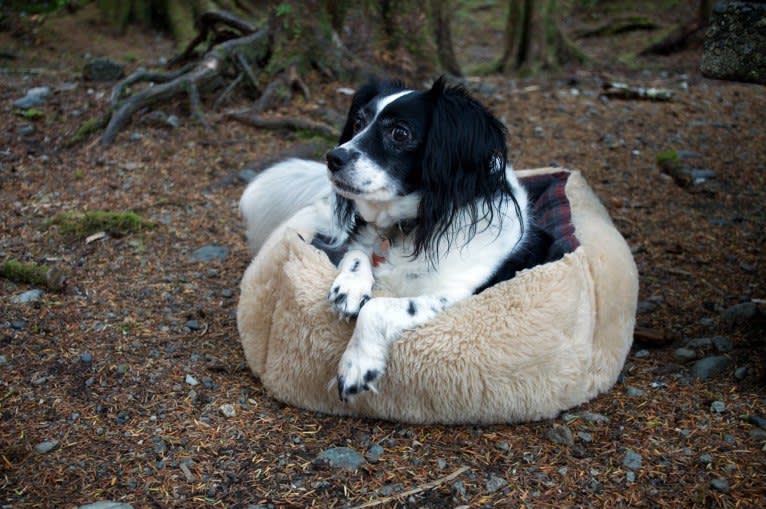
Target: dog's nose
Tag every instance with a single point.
(338, 158)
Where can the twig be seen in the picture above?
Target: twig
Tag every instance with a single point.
(423, 487)
(289, 123)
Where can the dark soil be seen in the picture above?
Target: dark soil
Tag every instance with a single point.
(102, 366)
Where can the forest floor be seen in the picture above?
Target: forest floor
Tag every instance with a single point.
(111, 388)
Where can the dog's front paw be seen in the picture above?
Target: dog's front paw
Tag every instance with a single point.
(359, 368)
(348, 293)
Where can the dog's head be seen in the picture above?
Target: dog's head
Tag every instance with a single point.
(421, 156)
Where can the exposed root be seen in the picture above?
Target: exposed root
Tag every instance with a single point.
(289, 123)
(191, 81)
(207, 22)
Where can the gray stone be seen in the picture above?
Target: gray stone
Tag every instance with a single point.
(708, 367)
(246, 175)
(741, 372)
(3, 360)
(757, 434)
(228, 410)
(699, 342)
(26, 129)
(560, 434)
(740, 313)
(722, 344)
(47, 446)
(494, 483)
(102, 69)
(645, 306)
(634, 391)
(340, 457)
(684, 354)
(721, 484)
(630, 476)
(173, 121)
(585, 436)
(390, 489)
(705, 459)
(374, 453)
(717, 406)
(106, 504)
(209, 254)
(86, 357)
(35, 97)
(193, 325)
(641, 354)
(632, 460)
(29, 296)
(758, 421)
(191, 380)
(735, 43)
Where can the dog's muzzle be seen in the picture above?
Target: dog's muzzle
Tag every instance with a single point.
(339, 158)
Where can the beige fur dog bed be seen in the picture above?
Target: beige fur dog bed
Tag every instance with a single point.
(551, 338)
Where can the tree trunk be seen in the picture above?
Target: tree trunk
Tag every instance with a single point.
(533, 38)
(441, 17)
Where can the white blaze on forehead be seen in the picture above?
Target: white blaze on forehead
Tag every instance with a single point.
(385, 101)
(381, 104)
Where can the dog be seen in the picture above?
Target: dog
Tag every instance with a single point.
(419, 197)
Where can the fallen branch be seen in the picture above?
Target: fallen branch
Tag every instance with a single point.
(423, 487)
(199, 77)
(615, 90)
(289, 123)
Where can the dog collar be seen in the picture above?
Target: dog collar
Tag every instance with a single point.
(380, 250)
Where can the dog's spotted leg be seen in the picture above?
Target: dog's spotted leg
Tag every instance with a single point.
(353, 286)
(379, 324)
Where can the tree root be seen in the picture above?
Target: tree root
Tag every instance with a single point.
(190, 80)
(289, 123)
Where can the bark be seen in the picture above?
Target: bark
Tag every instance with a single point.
(534, 39)
(441, 18)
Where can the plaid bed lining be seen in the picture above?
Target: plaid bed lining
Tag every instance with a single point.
(552, 211)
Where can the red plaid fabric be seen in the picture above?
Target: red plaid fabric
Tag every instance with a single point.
(552, 211)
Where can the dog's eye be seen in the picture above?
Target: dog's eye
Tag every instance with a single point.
(400, 134)
(358, 124)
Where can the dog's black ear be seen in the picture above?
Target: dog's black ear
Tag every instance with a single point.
(374, 87)
(464, 162)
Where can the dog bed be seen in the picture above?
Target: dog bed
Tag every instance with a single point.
(528, 348)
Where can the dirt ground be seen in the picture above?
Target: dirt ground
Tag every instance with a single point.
(111, 388)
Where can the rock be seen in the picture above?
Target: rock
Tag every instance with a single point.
(757, 434)
(191, 380)
(699, 342)
(645, 306)
(708, 367)
(246, 175)
(758, 421)
(630, 476)
(106, 504)
(560, 434)
(47, 446)
(721, 484)
(494, 483)
(228, 410)
(26, 129)
(717, 406)
(722, 344)
(705, 459)
(3, 360)
(193, 325)
(735, 43)
(641, 354)
(684, 354)
(390, 489)
(741, 372)
(740, 313)
(18, 324)
(173, 121)
(585, 436)
(86, 357)
(374, 453)
(634, 391)
(29, 296)
(35, 97)
(209, 254)
(102, 69)
(632, 460)
(340, 457)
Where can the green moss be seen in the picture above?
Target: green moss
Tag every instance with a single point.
(87, 128)
(30, 114)
(28, 273)
(118, 224)
(667, 158)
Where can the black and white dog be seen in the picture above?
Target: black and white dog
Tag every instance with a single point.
(420, 193)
